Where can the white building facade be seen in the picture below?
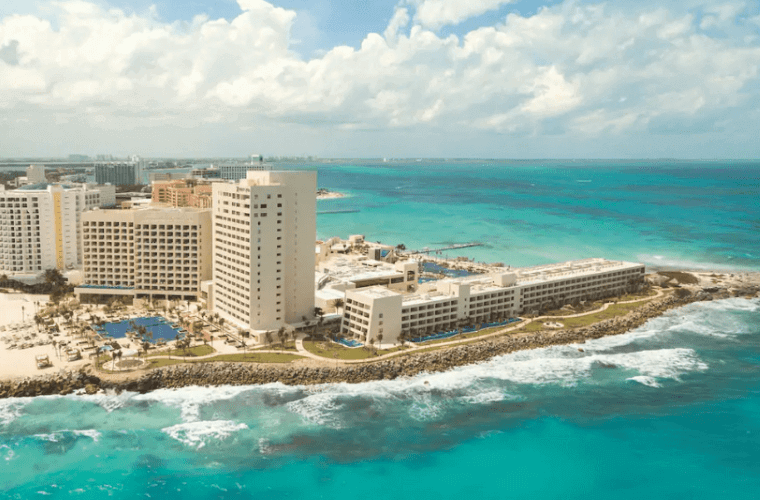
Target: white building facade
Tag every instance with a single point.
(239, 171)
(264, 228)
(40, 226)
(453, 303)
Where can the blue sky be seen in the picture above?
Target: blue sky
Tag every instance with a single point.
(437, 78)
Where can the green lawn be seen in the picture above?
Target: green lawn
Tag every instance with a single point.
(471, 335)
(611, 312)
(331, 350)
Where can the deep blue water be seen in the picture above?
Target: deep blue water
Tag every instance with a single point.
(670, 410)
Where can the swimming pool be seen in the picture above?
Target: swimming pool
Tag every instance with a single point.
(158, 326)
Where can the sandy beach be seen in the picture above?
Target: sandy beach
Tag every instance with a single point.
(19, 363)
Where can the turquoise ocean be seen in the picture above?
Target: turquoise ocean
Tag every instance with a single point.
(669, 410)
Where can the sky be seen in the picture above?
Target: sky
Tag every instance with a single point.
(360, 78)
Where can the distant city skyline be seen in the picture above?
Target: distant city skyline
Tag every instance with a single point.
(396, 79)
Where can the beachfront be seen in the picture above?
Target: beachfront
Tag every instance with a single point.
(23, 342)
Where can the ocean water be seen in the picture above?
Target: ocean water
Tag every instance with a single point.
(669, 410)
(677, 214)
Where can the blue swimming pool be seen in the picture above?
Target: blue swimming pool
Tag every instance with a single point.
(348, 343)
(158, 326)
(470, 329)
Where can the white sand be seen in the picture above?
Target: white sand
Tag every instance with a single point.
(19, 363)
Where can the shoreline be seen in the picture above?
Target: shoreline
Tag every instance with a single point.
(310, 372)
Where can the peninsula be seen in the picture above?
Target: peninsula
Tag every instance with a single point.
(223, 283)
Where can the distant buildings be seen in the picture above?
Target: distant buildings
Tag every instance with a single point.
(155, 252)
(35, 174)
(238, 171)
(40, 225)
(264, 228)
(165, 176)
(182, 193)
(118, 173)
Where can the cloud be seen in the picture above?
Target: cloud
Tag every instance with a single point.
(437, 13)
(582, 70)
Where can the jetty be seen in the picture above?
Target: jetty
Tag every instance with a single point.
(347, 211)
(450, 247)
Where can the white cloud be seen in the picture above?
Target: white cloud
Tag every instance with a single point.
(437, 13)
(582, 70)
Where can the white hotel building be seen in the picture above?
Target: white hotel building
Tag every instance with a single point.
(40, 225)
(448, 304)
(154, 252)
(264, 228)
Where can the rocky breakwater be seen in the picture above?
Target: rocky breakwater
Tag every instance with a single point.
(409, 364)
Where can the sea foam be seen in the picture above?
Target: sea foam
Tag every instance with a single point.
(11, 409)
(198, 434)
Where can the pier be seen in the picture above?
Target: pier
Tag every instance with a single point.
(443, 249)
(348, 211)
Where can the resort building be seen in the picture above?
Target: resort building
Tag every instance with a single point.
(238, 171)
(146, 253)
(343, 272)
(40, 225)
(182, 193)
(452, 303)
(264, 228)
(35, 174)
(118, 173)
(165, 176)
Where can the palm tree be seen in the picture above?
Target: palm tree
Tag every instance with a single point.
(245, 348)
(338, 303)
(268, 337)
(320, 318)
(281, 335)
(379, 339)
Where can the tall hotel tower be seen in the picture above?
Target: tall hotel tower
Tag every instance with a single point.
(264, 233)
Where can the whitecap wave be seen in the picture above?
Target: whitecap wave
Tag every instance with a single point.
(9, 454)
(320, 409)
(11, 409)
(199, 433)
(425, 408)
(109, 400)
(56, 436)
(190, 399)
(90, 433)
(53, 437)
(645, 380)
(680, 263)
(485, 397)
